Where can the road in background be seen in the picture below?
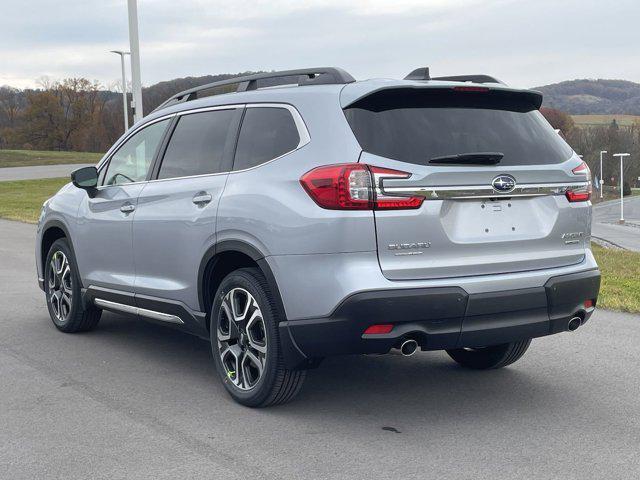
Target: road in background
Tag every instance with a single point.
(136, 400)
(605, 223)
(40, 171)
(605, 219)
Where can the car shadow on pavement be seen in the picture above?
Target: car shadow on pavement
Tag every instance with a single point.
(428, 383)
(424, 381)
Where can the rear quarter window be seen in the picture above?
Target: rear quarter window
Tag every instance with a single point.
(266, 133)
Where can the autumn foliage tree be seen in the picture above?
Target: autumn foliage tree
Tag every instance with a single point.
(11, 108)
(559, 120)
(63, 117)
(75, 113)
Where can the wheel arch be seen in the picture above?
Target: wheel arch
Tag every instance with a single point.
(51, 231)
(226, 256)
(229, 255)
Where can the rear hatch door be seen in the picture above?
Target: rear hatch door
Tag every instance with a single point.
(493, 175)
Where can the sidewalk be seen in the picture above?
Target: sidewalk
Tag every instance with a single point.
(625, 236)
(605, 223)
(40, 171)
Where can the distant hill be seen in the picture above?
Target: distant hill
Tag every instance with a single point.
(154, 95)
(592, 97)
(576, 97)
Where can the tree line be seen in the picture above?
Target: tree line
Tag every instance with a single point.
(80, 115)
(72, 114)
(588, 141)
(76, 114)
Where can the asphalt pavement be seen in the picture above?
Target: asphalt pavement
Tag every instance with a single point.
(605, 223)
(132, 400)
(40, 171)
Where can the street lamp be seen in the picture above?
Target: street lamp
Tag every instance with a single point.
(601, 174)
(136, 85)
(122, 53)
(621, 155)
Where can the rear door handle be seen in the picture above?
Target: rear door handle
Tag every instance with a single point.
(127, 208)
(202, 198)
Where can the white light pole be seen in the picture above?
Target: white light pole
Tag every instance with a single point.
(136, 83)
(601, 174)
(621, 155)
(122, 53)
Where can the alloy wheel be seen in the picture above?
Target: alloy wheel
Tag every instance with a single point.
(242, 338)
(60, 286)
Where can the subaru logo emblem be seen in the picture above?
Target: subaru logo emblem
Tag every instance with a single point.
(504, 183)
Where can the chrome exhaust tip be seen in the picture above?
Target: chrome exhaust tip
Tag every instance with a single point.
(408, 347)
(574, 324)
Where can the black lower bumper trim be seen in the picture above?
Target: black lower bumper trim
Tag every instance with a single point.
(445, 318)
(566, 295)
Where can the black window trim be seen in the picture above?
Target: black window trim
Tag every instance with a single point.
(303, 133)
(107, 159)
(229, 150)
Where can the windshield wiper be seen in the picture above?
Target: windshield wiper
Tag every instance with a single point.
(479, 158)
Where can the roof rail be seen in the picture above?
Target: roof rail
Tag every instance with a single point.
(306, 76)
(422, 73)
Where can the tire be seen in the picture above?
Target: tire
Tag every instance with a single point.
(63, 291)
(245, 342)
(496, 356)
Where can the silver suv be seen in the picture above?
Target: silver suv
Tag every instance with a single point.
(306, 214)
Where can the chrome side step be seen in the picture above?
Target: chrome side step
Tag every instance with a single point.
(143, 312)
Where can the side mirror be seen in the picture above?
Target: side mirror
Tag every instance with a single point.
(85, 178)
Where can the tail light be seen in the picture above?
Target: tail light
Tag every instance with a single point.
(355, 186)
(581, 194)
(577, 195)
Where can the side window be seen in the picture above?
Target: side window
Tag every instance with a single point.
(197, 144)
(132, 160)
(266, 133)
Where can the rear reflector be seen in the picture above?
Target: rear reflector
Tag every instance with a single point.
(378, 329)
(588, 303)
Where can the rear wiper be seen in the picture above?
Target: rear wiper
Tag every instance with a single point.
(479, 158)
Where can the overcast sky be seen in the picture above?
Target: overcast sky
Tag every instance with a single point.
(525, 43)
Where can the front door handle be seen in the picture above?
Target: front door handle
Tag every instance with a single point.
(127, 208)
(202, 198)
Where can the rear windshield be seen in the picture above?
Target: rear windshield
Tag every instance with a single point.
(415, 126)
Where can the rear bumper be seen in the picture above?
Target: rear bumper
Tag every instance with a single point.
(445, 317)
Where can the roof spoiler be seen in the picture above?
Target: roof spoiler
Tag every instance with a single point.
(390, 94)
